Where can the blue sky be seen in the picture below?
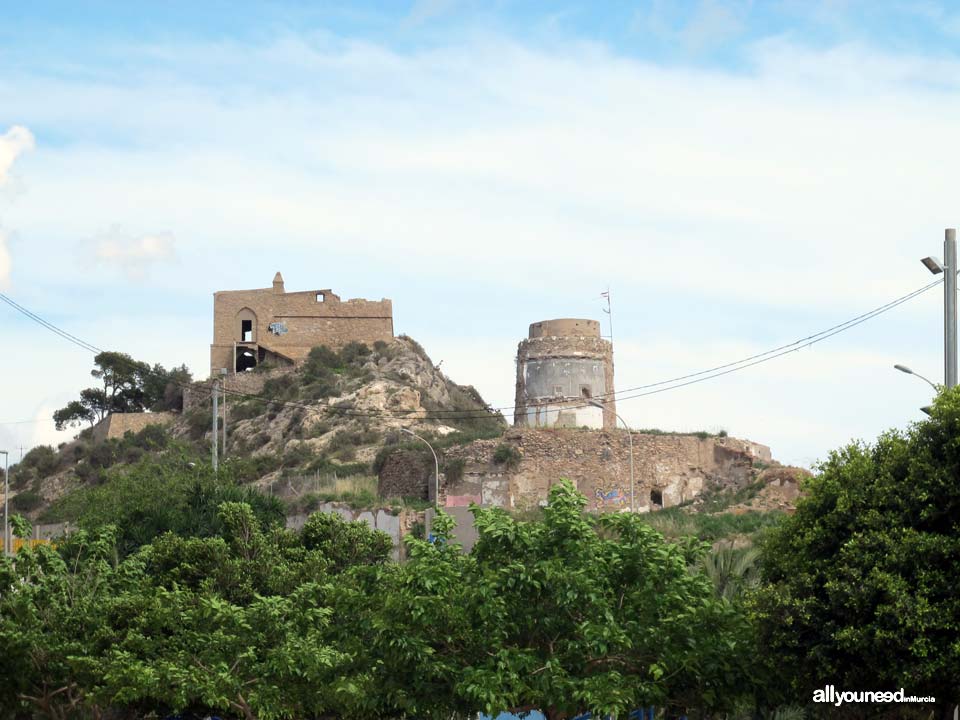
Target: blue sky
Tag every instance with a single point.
(740, 174)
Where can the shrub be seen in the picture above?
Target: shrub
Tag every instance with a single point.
(506, 455)
(43, 459)
(453, 469)
(354, 353)
(26, 501)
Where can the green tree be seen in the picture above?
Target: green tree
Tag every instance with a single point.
(567, 615)
(860, 585)
(128, 385)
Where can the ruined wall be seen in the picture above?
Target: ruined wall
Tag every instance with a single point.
(558, 365)
(116, 425)
(406, 474)
(251, 383)
(289, 324)
(668, 469)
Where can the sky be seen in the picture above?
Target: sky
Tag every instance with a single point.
(739, 175)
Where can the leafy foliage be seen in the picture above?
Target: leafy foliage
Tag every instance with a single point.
(859, 586)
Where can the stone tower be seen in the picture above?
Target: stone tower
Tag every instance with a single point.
(562, 366)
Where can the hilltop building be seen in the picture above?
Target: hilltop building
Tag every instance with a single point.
(563, 368)
(270, 324)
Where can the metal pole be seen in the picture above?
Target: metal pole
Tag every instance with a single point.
(598, 404)
(630, 438)
(216, 417)
(6, 503)
(436, 467)
(950, 307)
(223, 373)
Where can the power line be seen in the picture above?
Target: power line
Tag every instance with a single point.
(50, 326)
(662, 385)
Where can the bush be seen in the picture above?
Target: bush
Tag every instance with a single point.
(506, 455)
(354, 353)
(26, 501)
(453, 469)
(43, 459)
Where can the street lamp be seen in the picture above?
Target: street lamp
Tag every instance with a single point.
(596, 403)
(436, 466)
(949, 269)
(908, 371)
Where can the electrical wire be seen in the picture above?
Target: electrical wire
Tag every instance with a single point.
(481, 413)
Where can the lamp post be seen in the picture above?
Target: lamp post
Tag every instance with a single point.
(949, 269)
(598, 404)
(436, 466)
(6, 503)
(908, 371)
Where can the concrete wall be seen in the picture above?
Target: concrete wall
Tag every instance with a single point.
(396, 526)
(290, 324)
(116, 425)
(560, 363)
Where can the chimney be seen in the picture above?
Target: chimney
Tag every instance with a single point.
(278, 283)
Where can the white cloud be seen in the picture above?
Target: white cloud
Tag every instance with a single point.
(792, 194)
(14, 142)
(135, 255)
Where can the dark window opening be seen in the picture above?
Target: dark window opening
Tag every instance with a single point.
(246, 330)
(246, 360)
(585, 391)
(656, 498)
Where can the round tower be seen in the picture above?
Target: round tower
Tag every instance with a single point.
(562, 368)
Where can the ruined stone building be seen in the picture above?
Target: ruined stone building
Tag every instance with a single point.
(563, 368)
(270, 324)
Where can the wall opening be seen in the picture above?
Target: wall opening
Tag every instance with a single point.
(246, 330)
(320, 297)
(585, 391)
(656, 498)
(246, 360)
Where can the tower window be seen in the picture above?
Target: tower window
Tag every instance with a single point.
(246, 330)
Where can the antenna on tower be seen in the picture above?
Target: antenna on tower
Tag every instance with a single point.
(608, 311)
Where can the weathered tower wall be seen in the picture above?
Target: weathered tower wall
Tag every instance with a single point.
(561, 366)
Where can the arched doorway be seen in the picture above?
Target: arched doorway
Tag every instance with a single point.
(246, 359)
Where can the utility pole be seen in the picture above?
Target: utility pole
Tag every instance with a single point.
(949, 269)
(216, 416)
(950, 308)
(223, 373)
(7, 550)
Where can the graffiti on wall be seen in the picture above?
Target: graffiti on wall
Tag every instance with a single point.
(614, 498)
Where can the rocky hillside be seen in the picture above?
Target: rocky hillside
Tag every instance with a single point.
(317, 427)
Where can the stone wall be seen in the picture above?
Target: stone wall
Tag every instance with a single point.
(248, 383)
(406, 474)
(290, 324)
(116, 425)
(668, 469)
